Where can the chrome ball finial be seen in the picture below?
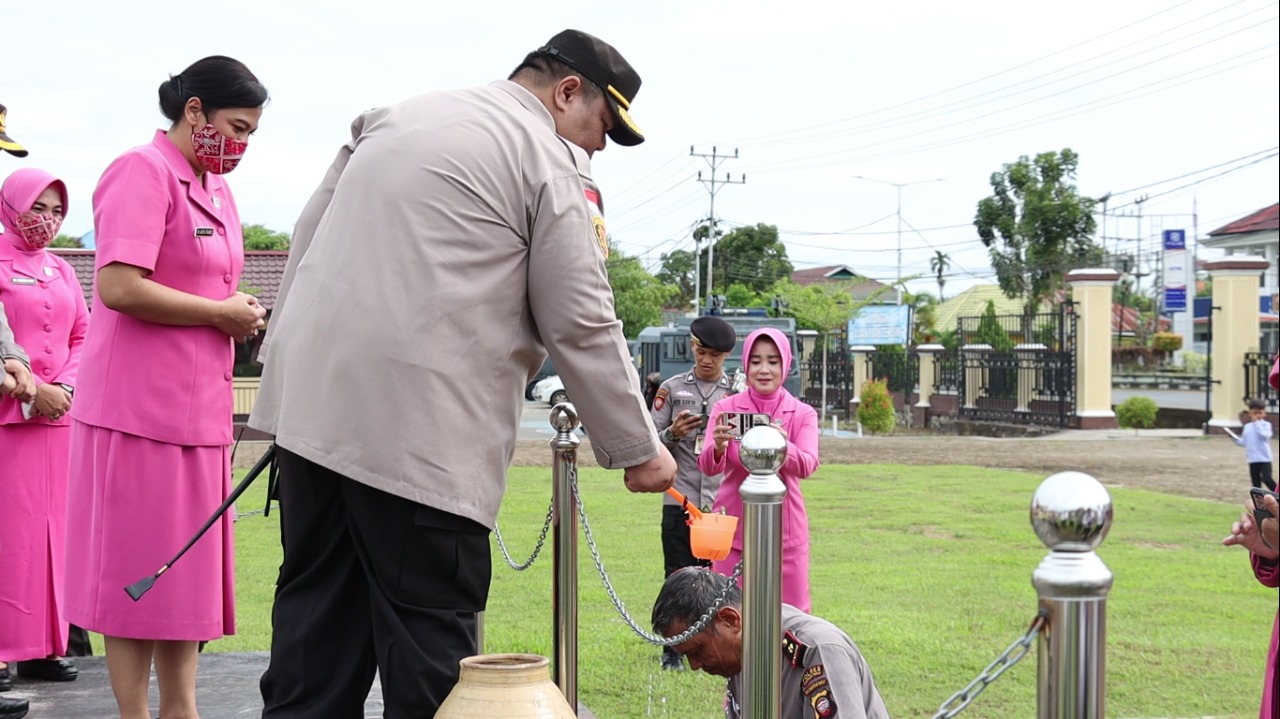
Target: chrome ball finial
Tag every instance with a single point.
(564, 418)
(1071, 512)
(762, 450)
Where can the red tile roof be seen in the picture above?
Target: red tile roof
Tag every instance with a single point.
(1268, 218)
(263, 271)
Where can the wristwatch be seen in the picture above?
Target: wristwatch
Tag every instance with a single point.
(71, 391)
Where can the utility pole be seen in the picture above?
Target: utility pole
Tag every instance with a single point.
(899, 186)
(714, 160)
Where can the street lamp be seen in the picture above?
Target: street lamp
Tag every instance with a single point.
(898, 185)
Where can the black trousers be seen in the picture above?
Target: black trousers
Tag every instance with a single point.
(676, 553)
(369, 581)
(1260, 475)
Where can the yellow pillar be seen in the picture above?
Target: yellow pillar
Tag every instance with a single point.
(861, 355)
(1236, 330)
(975, 377)
(1027, 355)
(1091, 293)
(928, 376)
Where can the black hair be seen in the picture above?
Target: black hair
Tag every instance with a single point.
(219, 81)
(542, 70)
(1257, 404)
(688, 593)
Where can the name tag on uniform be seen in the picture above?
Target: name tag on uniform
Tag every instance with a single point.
(217, 203)
(48, 272)
(204, 232)
(23, 280)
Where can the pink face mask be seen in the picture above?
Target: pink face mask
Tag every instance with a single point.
(38, 229)
(216, 152)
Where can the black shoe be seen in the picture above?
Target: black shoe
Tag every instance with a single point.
(49, 670)
(6, 682)
(13, 708)
(672, 661)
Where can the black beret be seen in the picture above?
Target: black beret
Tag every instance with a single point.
(713, 333)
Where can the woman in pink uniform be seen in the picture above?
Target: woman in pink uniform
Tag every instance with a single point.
(45, 307)
(152, 419)
(766, 358)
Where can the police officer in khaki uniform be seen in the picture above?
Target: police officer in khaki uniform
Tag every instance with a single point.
(458, 234)
(680, 409)
(824, 675)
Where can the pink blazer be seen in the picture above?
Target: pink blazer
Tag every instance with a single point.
(801, 424)
(47, 313)
(166, 383)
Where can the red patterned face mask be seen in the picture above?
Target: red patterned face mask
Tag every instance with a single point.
(216, 152)
(38, 229)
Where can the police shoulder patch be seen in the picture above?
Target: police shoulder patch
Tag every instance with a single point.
(660, 399)
(793, 649)
(823, 704)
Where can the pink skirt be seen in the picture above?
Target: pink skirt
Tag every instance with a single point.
(137, 502)
(33, 519)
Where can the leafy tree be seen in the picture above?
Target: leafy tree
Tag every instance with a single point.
(990, 332)
(677, 271)
(740, 295)
(940, 263)
(1037, 227)
(875, 407)
(638, 297)
(258, 237)
(752, 255)
(924, 313)
(827, 308)
(67, 241)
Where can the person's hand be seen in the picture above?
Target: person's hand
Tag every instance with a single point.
(778, 426)
(656, 475)
(685, 423)
(23, 386)
(1246, 533)
(240, 316)
(7, 384)
(722, 434)
(52, 401)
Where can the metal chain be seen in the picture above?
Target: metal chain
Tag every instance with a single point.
(253, 512)
(1016, 651)
(654, 639)
(537, 549)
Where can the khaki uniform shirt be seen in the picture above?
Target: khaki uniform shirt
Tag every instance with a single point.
(823, 674)
(9, 348)
(454, 238)
(675, 395)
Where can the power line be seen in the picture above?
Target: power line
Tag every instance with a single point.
(714, 161)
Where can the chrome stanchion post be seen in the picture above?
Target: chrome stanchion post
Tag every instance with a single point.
(762, 452)
(564, 448)
(1071, 513)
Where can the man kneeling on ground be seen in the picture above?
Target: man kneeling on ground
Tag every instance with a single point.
(823, 673)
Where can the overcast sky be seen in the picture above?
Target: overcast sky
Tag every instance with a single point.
(1157, 97)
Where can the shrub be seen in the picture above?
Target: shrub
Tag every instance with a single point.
(875, 410)
(1194, 362)
(1137, 412)
(1166, 342)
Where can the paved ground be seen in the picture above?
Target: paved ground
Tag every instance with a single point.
(228, 689)
(1171, 398)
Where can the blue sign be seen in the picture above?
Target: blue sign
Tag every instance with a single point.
(880, 325)
(1175, 299)
(1175, 239)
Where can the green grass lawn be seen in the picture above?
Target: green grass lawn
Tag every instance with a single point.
(928, 569)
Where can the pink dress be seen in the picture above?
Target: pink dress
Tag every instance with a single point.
(801, 424)
(45, 307)
(149, 444)
(1269, 574)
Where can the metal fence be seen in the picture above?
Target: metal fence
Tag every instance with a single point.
(950, 365)
(900, 369)
(839, 374)
(1025, 371)
(1257, 367)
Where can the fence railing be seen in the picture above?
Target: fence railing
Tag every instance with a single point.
(1257, 367)
(901, 369)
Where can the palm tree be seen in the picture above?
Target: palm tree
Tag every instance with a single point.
(940, 263)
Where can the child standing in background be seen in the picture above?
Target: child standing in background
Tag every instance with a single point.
(1256, 440)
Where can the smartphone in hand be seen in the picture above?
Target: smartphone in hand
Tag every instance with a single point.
(740, 422)
(1255, 495)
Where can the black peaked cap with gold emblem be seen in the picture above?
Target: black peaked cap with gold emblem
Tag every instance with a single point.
(713, 333)
(600, 63)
